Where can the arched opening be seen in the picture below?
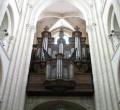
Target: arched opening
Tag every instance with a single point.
(114, 31)
(6, 29)
(59, 105)
(110, 18)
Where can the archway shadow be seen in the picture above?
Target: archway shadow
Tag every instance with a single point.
(59, 105)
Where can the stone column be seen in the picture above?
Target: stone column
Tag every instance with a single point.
(107, 90)
(14, 80)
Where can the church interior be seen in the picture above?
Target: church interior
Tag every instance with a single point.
(60, 55)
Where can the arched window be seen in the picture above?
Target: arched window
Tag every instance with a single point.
(6, 29)
(113, 30)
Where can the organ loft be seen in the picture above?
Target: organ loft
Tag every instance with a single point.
(61, 68)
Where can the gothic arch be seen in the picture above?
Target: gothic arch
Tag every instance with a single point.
(112, 31)
(8, 25)
(112, 23)
(115, 23)
(59, 105)
(83, 8)
(8, 19)
(11, 19)
(111, 11)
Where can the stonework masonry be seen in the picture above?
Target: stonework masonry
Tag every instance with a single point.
(15, 62)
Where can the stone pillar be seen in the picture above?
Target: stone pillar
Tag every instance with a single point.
(106, 84)
(13, 97)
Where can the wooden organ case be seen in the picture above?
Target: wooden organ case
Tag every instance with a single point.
(60, 69)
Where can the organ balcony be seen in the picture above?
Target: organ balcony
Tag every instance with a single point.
(60, 69)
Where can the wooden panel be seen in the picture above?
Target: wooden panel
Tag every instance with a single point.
(83, 86)
(83, 78)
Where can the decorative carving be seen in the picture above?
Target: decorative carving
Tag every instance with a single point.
(62, 65)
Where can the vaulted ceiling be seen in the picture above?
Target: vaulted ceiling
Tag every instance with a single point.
(61, 13)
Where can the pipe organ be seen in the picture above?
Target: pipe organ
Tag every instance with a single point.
(60, 69)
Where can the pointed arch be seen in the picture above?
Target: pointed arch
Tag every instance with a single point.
(82, 6)
(110, 18)
(59, 105)
(8, 25)
(11, 19)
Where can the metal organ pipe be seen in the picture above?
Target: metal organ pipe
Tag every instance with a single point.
(48, 68)
(71, 70)
(59, 67)
(61, 48)
(77, 34)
